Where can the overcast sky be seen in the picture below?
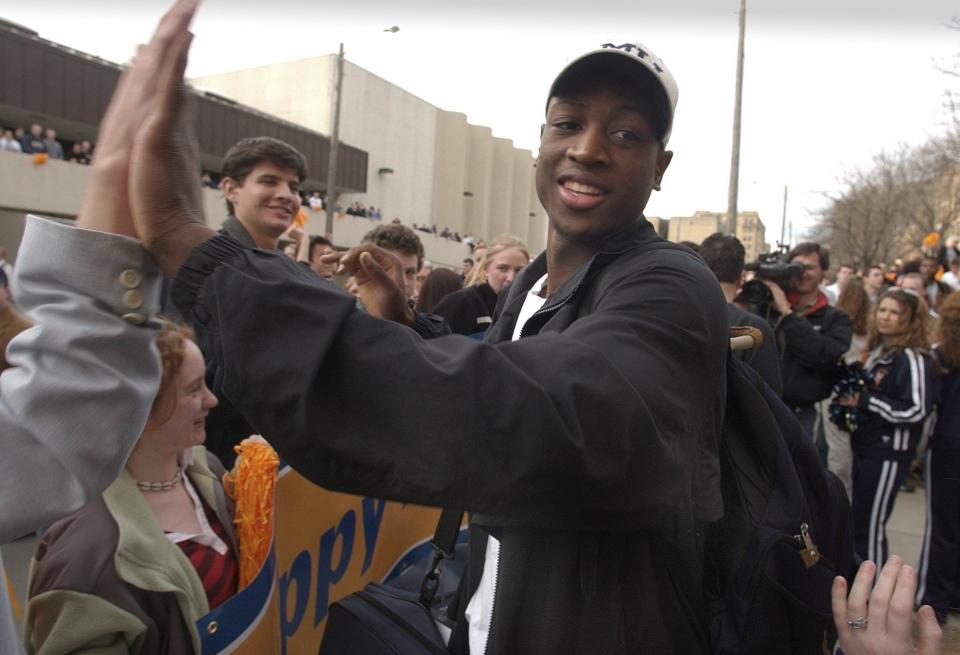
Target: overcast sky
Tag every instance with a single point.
(827, 85)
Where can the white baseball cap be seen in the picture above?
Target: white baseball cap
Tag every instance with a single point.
(648, 66)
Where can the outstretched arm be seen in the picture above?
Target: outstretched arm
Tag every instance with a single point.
(82, 380)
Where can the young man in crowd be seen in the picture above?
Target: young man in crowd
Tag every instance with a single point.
(917, 284)
(726, 257)
(319, 246)
(260, 179)
(874, 281)
(582, 435)
(395, 302)
(815, 335)
(844, 273)
(403, 244)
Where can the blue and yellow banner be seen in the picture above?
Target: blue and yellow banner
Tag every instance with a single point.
(326, 546)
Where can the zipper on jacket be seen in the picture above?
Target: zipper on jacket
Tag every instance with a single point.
(493, 604)
(543, 311)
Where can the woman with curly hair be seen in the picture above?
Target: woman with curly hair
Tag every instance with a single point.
(940, 557)
(892, 406)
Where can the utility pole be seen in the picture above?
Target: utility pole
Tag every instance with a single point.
(332, 193)
(783, 221)
(735, 155)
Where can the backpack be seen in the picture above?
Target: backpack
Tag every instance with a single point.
(786, 532)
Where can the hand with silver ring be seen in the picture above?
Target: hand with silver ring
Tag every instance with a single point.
(859, 623)
(879, 622)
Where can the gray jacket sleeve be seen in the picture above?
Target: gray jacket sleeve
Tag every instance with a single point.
(82, 379)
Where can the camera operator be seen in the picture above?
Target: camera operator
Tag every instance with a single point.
(813, 335)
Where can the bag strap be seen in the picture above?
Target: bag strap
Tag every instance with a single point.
(444, 541)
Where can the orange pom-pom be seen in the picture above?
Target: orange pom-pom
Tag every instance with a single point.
(300, 220)
(931, 239)
(251, 484)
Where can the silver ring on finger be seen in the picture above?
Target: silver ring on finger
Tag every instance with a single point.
(859, 623)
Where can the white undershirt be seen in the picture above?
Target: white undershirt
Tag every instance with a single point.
(206, 536)
(479, 611)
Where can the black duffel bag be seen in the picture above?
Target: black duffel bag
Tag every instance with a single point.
(400, 617)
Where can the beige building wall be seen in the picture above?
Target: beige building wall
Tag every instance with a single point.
(444, 170)
(449, 179)
(696, 228)
(500, 206)
(478, 192)
(56, 189)
(396, 128)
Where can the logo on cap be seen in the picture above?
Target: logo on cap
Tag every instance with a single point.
(640, 53)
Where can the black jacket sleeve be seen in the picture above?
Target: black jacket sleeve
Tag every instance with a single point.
(597, 426)
(813, 349)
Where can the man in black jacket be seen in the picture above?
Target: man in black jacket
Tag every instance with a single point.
(814, 335)
(725, 256)
(582, 435)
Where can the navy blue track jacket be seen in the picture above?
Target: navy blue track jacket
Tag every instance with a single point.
(893, 409)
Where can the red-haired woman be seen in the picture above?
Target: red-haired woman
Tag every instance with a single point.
(132, 571)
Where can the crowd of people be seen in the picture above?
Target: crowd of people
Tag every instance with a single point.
(869, 365)
(40, 141)
(579, 428)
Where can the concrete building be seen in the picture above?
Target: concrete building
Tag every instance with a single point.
(67, 90)
(426, 165)
(696, 228)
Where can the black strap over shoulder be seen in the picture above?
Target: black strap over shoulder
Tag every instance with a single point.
(444, 540)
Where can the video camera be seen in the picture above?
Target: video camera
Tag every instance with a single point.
(775, 267)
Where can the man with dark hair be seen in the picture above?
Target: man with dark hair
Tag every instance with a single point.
(814, 336)
(581, 435)
(467, 267)
(403, 243)
(725, 256)
(319, 246)
(260, 179)
(873, 281)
